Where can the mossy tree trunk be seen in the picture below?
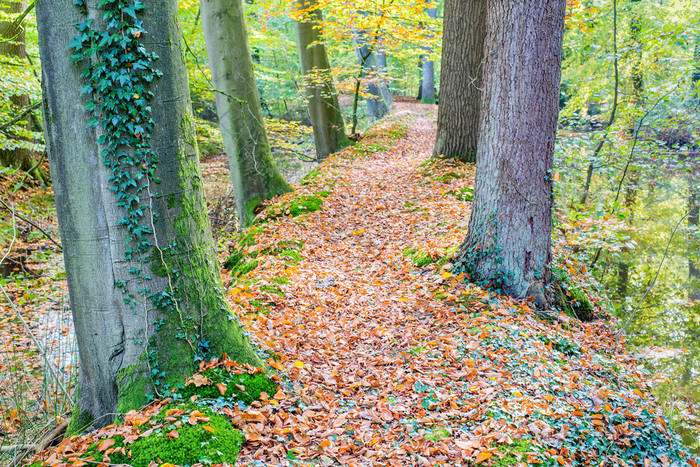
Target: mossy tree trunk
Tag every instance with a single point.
(129, 345)
(12, 46)
(428, 68)
(254, 175)
(464, 31)
(508, 244)
(324, 109)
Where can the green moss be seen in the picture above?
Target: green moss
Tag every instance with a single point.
(281, 280)
(193, 445)
(80, 422)
(292, 255)
(171, 200)
(310, 177)
(514, 453)
(436, 434)
(274, 290)
(253, 386)
(450, 176)
(297, 206)
(418, 258)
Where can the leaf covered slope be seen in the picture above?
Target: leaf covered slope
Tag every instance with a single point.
(387, 358)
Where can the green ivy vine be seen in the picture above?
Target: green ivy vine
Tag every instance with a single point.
(118, 73)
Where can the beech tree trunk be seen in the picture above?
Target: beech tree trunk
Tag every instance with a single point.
(254, 175)
(377, 106)
(460, 79)
(428, 70)
(508, 244)
(12, 45)
(128, 352)
(324, 109)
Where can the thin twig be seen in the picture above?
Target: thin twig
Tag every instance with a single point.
(46, 234)
(18, 118)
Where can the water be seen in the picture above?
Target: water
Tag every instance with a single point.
(651, 271)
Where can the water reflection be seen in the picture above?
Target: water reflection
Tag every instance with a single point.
(655, 281)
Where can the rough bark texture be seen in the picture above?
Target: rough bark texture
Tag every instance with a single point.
(509, 239)
(377, 105)
(119, 345)
(460, 79)
(324, 109)
(428, 71)
(12, 45)
(253, 171)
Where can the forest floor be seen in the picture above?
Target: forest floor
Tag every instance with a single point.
(387, 356)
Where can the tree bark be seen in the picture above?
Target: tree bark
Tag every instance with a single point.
(464, 31)
(254, 174)
(12, 45)
(377, 106)
(693, 251)
(428, 70)
(508, 244)
(128, 352)
(324, 109)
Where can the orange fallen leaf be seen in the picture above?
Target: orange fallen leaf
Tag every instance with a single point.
(482, 456)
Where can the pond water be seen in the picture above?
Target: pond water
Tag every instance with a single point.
(651, 270)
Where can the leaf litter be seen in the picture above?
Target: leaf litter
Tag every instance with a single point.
(384, 362)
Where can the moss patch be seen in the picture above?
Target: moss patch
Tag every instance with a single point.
(299, 205)
(514, 453)
(243, 387)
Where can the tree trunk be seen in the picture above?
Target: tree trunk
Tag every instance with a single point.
(145, 303)
(377, 107)
(508, 244)
(380, 59)
(253, 171)
(12, 45)
(324, 109)
(460, 79)
(693, 251)
(428, 70)
(636, 51)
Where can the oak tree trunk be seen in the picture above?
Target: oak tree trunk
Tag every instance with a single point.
(254, 175)
(129, 345)
(460, 79)
(324, 109)
(508, 244)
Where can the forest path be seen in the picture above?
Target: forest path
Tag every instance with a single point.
(389, 359)
(368, 347)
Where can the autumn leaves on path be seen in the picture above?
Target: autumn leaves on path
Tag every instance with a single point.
(389, 359)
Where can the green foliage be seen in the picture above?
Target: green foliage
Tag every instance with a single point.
(209, 139)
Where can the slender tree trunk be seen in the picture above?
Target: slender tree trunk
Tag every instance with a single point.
(324, 109)
(253, 171)
(460, 79)
(377, 107)
(420, 78)
(636, 51)
(383, 83)
(508, 244)
(142, 314)
(428, 70)
(12, 45)
(693, 250)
